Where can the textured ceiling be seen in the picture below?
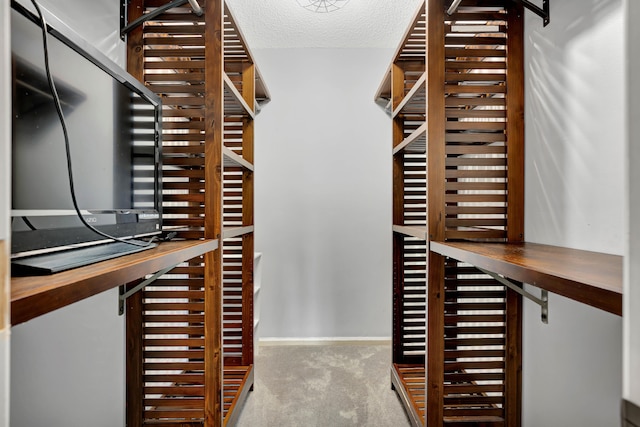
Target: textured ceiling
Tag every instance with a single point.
(359, 24)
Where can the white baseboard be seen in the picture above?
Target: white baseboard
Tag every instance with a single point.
(325, 341)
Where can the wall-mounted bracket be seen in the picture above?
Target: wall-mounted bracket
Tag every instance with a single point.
(123, 295)
(543, 301)
(542, 12)
(123, 16)
(126, 28)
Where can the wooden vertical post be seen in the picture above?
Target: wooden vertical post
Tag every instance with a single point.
(248, 93)
(435, 119)
(397, 93)
(135, 359)
(249, 87)
(515, 207)
(515, 122)
(214, 128)
(135, 43)
(513, 360)
(134, 322)
(397, 88)
(398, 260)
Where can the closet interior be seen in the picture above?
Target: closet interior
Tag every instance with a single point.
(454, 92)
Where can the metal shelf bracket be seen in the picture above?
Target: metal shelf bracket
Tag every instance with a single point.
(543, 301)
(122, 297)
(543, 12)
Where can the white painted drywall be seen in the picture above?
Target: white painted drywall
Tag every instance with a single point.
(5, 173)
(323, 195)
(575, 197)
(67, 367)
(4, 377)
(5, 119)
(632, 266)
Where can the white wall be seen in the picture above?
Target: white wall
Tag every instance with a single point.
(67, 367)
(323, 195)
(5, 169)
(632, 266)
(575, 197)
(5, 122)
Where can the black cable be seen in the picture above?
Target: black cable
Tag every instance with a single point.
(56, 100)
(28, 223)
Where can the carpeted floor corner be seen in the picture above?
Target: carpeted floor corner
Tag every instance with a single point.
(323, 386)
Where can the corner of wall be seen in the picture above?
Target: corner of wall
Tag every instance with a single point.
(5, 167)
(631, 351)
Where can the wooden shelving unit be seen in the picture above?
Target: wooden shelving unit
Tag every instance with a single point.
(191, 333)
(454, 91)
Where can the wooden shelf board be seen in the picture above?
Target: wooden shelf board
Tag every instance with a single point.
(233, 159)
(230, 232)
(415, 101)
(234, 102)
(409, 383)
(411, 230)
(591, 278)
(414, 143)
(34, 296)
(238, 381)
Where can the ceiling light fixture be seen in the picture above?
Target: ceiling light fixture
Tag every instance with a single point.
(322, 6)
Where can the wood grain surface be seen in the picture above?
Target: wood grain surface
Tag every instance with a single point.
(592, 278)
(37, 295)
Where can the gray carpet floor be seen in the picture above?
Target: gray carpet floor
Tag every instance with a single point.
(332, 385)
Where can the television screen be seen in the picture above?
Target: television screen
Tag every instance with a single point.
(113, 124)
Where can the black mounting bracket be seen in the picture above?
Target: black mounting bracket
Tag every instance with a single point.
(542, 12)
(123, 16)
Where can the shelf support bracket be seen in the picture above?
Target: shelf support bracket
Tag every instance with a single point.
(123, 295)
(543, 12)
(126, 28)
(543, 301)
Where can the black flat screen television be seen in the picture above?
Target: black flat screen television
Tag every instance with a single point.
(114, 127)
